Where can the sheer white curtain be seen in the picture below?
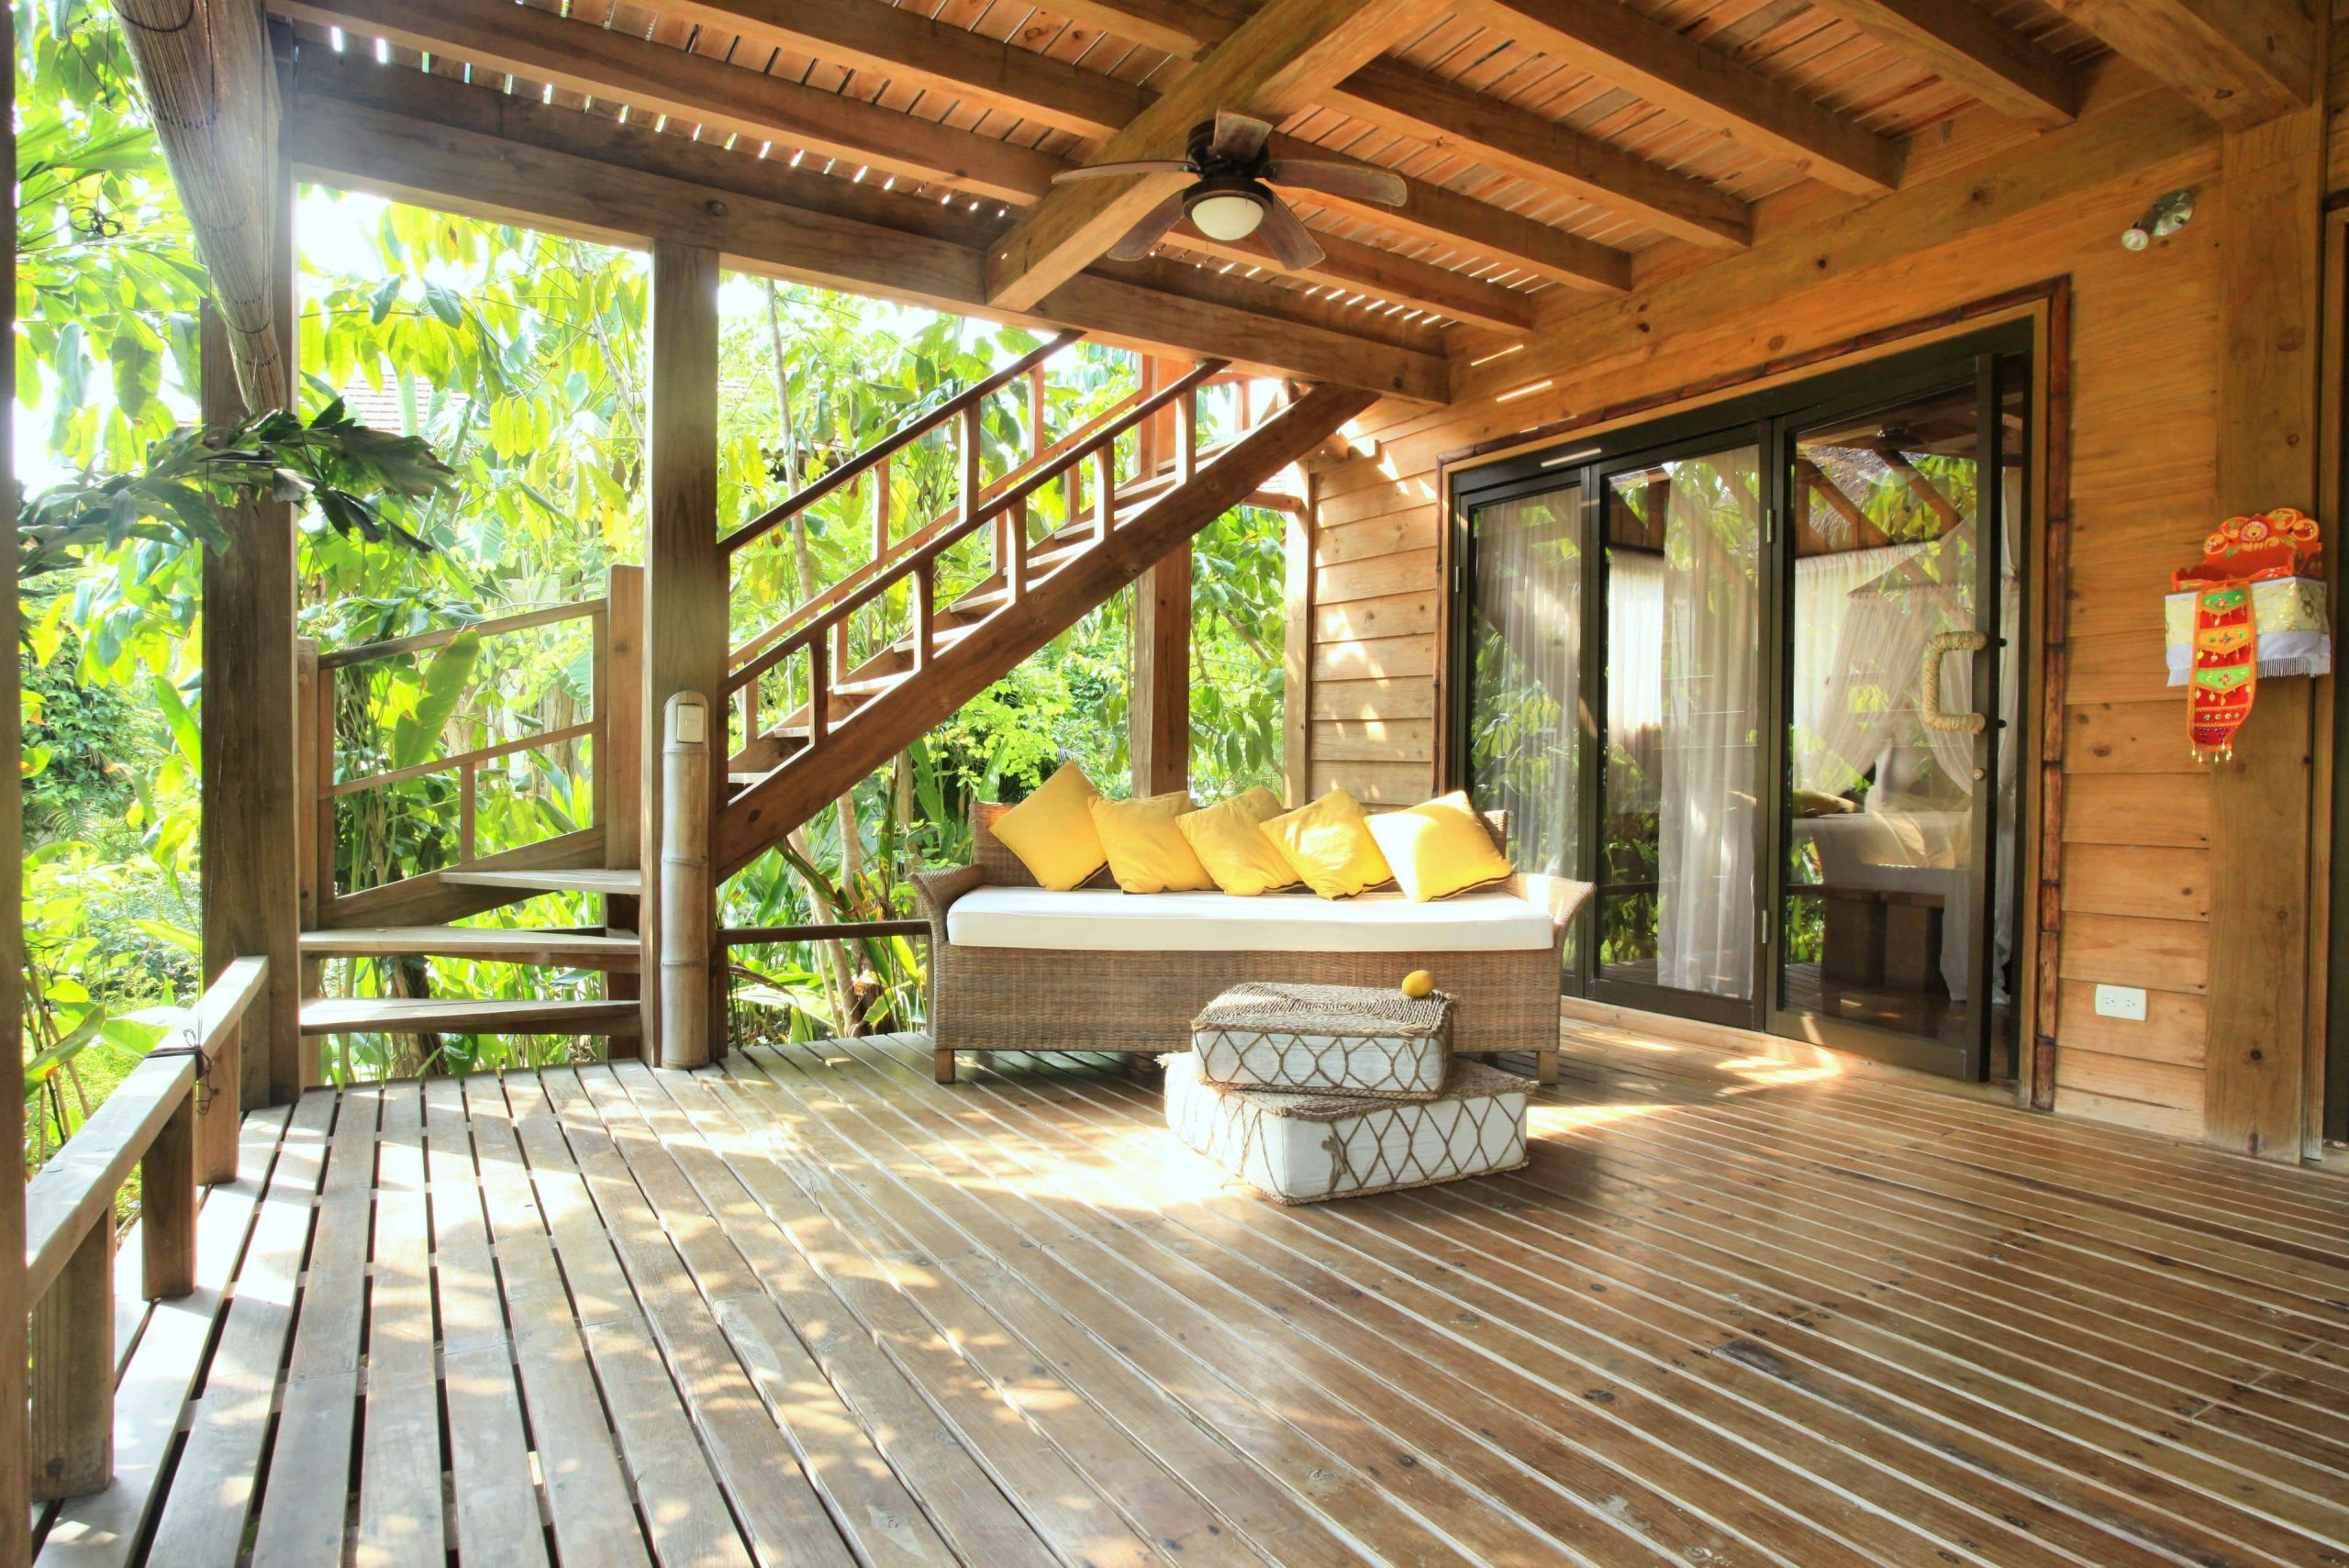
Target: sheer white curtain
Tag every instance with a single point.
(1843, 689)
(1524, 734)
(1634, 672)
(1711, 636)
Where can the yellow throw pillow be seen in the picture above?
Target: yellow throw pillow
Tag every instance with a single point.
(1227, 841)
(1439, 849)
(1051, 830)
(1147, 851)
(1328, 844)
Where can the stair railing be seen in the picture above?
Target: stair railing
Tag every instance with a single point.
(821, 637)
(894, 550)
(612, 727)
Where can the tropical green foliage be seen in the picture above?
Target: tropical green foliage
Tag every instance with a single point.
(520, 359)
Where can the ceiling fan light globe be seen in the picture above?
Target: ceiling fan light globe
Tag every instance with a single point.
(1227, 215)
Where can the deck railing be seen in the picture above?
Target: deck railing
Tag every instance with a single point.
(611, 728)
(176, 1118)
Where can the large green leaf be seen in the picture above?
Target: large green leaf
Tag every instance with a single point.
(416, 735)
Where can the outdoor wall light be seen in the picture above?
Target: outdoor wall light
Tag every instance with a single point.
(2164, 217)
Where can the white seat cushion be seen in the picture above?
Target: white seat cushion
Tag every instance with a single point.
(1103, 920)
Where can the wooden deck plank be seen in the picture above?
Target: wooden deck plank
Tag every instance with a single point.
(810, 1306)
(302, 1520)
(496, 1503)
(402, 1521)
(831, 1307)
(677, 1492)
(868, 1504)
(1639, 1344)
(588, 1502)
(203, 1520)
(1331, 1369)
(781, 1515)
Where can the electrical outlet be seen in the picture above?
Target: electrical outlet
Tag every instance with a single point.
(2120, 1002)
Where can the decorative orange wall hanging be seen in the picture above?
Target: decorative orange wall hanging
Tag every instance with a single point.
(2254, 606)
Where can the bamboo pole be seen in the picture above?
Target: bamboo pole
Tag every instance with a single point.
(212, 90)
(686, 889)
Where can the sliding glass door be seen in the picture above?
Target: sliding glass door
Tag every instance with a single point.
(1681, 713)
(1748, 673)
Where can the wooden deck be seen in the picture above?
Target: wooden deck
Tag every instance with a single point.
(814, 1308)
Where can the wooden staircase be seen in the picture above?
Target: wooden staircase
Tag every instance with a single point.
(851, 723)
(838, 719)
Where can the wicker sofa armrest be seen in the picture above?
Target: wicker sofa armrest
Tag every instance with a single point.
(1561, 898)
(935, 891)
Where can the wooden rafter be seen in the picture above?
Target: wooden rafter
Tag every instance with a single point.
(1616, 44)
(421, 137)
(2246, 61)
(540, 45)
(1277, 62)
(1518, 142)
(1965, 44)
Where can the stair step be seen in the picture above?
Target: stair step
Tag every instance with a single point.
(457, 1014)
(623, 883)
(577, 950)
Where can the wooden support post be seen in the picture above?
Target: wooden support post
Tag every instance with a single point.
(685, 572)
(167, 1207)
(72, 1449)
(881, 509)
(925, 612)
(1296, 655)
(2255, 1071)
(1159, 707)
(15, 1481)
(219, 1110)
(686, 936)
(251, 887)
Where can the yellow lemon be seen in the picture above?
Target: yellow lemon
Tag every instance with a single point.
(1418, 983)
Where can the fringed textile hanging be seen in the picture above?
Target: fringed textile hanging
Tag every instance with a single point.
(2254, 606)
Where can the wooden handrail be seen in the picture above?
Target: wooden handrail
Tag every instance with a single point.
(463, 759)
(155, 1120)
(888, 446)
(927, 555)
(393, 647)
(764, 640)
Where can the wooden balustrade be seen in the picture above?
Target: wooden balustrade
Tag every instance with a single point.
(1002, 505)
(175, 1117)
(613, 728)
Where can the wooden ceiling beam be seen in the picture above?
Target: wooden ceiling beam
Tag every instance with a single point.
(1618, 45)
(1965, 45)
(2245, 61)
(425, 139)
(615, 67)
(1515, 141)
(909, 48)
(1277, 62)
(579, 57)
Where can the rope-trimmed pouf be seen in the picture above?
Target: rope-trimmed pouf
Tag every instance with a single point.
(1353, 1039)
(1303, 1147)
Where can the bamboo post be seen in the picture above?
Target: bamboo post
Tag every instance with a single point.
(1015, 562)
(925, 610)
(1105, 475)
(167, 1205)
(71, 1448)
(881, 509)
(685, 887)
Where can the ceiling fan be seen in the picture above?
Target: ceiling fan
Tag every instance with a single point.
(1232, 197)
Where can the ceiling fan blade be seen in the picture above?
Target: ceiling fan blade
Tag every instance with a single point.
(1140, 166)
(1240, 138)
(1139, 240)
(1289, 239)
(1354, 181)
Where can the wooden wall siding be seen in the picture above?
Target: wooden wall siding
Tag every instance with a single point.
(2145, 366)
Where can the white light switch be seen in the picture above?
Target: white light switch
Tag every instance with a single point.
(2120, 1002)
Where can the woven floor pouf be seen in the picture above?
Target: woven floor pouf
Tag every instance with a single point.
(1304, 1148)
(1353, 1040)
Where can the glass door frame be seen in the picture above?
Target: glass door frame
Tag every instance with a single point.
(1769, 420)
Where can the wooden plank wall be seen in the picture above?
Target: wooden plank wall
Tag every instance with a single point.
(2146, 377)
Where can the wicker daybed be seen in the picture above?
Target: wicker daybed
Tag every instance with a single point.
(1092, 989)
